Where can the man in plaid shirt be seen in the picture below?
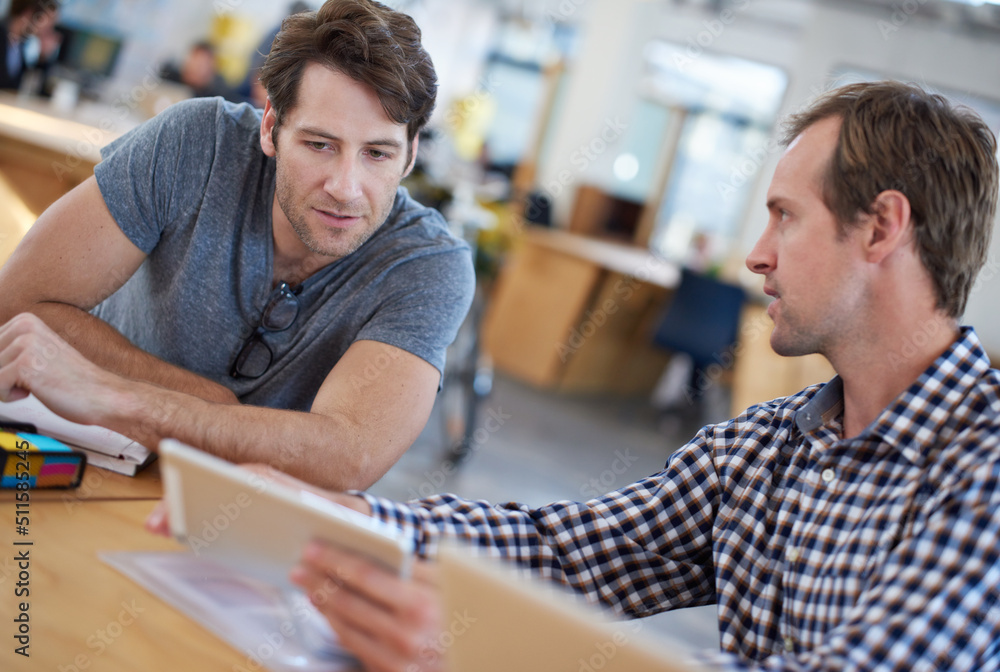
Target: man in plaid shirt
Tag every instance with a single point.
(853, 525)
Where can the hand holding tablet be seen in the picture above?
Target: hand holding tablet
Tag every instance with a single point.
(260, 526)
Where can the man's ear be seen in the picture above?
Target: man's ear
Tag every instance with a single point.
(413, 155)
(889, 225)
(267, 130)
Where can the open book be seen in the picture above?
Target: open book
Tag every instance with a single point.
(104, 448)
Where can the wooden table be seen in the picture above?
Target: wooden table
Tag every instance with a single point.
(85, 615)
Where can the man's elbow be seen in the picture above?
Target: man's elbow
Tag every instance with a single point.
(347, 462)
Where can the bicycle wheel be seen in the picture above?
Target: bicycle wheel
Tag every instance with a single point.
(468, 379)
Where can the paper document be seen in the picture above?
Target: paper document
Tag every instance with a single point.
(91, 437)
(270, 628)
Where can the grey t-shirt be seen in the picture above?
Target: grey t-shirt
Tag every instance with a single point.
(193, 190)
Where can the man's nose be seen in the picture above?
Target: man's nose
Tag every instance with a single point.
(761, 258)
(344, 181)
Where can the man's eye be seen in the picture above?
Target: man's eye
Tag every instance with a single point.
(316, 145)
(377, 154)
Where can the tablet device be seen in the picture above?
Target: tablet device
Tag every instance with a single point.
(258, 527)
(503, 620)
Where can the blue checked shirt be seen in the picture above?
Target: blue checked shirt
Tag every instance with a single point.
(879, 552)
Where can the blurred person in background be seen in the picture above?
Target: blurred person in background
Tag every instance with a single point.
(27, 19)
(252, 88)
(200, 72)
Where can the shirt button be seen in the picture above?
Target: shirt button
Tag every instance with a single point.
(789, 644)
(793, 554)
(828, 475)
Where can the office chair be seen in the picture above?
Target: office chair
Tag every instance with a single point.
(701, 324)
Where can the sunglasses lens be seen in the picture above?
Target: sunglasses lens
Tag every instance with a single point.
(281, 312)
(253, 360)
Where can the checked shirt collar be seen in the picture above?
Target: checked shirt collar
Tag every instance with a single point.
(920, 419)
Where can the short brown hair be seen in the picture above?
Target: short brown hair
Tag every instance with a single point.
(940, 156)
(364, 40)
(36, 7)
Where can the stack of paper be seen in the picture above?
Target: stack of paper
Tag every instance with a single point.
(104, 448)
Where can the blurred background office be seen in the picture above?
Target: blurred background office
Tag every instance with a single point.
(609, 159)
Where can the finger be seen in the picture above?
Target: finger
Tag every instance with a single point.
(157, 521)
(354, 571)
(402, 631)
(14, 394)
(26, 324)
(319, 587)
(403, 621)
(363, 628)
(373, 654)
(13, 379)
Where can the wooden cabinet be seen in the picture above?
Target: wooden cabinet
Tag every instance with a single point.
(575, 314)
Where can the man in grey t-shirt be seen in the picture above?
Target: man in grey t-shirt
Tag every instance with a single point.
(221, 255)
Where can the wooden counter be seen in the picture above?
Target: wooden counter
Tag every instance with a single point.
(45, 153)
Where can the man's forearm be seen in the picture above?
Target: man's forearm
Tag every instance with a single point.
(105, 346)
(327, 451)
(347, 441)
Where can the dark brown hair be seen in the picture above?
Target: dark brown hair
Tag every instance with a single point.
(364, 40)
(940, 156)
(36, 7)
